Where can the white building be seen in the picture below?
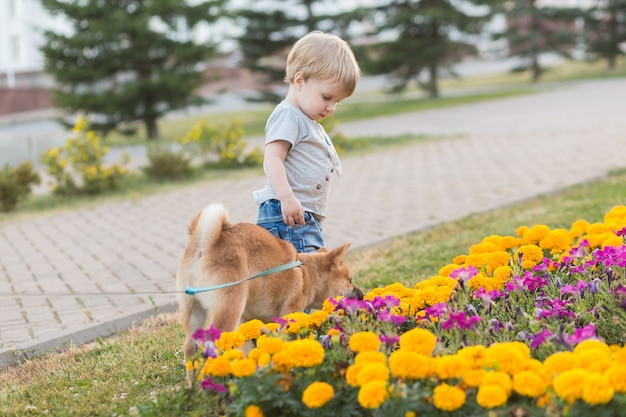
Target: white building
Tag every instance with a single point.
(21, 26)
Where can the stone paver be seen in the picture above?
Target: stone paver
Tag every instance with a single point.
(75, 276)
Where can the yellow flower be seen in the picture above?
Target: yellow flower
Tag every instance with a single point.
(219, 366)
(473, 377)
(254, 411)
(352, 374)
(306, 353)
(616, 375)
(243, 367)
(364, 341)
(373, 394)
(419, 341)
(559, 362)
(412, 365)
(497, 259)
(371, 357)
(270, 344)
(499, 378)
(569, 384)
(230, 340)
(474, 355)
(317, 394)
(372, 372)
(511, 357)
(448, 398)
(557, 240)
(597, 389)
(297, 321)
(531, 255)
(529, 384)
(317, 317)
(491, 396)
(251, 329)
(450, 366)
(535, 234)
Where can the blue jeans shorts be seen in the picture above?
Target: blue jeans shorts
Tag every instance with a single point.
(307, 238)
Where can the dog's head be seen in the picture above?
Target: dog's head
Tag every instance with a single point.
(330, 274)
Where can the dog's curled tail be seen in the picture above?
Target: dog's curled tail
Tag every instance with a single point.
(212, 220)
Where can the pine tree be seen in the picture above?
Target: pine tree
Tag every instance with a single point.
(271, 31)
(128, 60)
(533, 30)
(427, 36)
(606, 30)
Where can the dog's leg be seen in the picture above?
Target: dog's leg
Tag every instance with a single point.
(194, 317)
(226, 316)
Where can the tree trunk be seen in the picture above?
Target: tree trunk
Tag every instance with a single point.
(433, 86)
(152, 129)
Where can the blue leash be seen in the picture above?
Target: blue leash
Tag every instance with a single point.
(194, 291)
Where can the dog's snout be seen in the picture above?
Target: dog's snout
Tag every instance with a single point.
(356, 293)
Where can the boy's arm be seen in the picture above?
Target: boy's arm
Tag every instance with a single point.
(275, 153)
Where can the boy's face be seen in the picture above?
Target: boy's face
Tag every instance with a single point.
(317, 98)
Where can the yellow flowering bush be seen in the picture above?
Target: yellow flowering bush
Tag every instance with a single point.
(78, 166)
(222, 146)
(546, 338)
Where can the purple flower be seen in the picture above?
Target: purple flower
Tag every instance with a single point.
(465, 274)
(389, 341)
(436, 310)
(207, 335)
(388, 302)
(386, 316)
(539, 338)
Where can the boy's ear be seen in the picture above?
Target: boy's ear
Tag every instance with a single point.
(298, 79)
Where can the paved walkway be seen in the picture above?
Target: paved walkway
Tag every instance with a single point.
(506, 151)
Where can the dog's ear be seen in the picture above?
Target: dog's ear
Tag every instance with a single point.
(339, 253)
(322, 250)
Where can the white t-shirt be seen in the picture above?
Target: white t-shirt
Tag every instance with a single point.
(311, 162)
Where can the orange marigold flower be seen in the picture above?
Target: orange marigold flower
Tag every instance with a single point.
(230, 340)
(251, 329)
(371, 356)
(450, 366)
(373, 394)
(535, 234)
(364, 341)
(491, 396)
(531, 255)
(411, 365)
(418, 340)
(499, 378)
(372, 371)
(569, 385)
(616, 375)
(317, 394)
(448, 398)
(254, 411)
(243, 367)
(529, 384)
(597, 389)
(270, 344)
(305, 353)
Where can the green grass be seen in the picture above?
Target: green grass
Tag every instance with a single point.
(140, 371)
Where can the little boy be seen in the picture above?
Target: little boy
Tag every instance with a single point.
(299, 159)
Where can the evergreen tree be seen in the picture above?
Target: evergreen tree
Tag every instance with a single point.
(426, 35)
(533, 30)
(606, 30)
(128, 60)
(270, 29)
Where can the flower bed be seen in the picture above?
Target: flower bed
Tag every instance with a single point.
(526, 325)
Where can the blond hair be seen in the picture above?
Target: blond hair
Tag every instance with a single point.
(324, 56)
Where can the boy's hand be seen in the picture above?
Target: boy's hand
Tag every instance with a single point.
(293, 214)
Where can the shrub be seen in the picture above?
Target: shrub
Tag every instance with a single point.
(77, 167)
(167, 164)
(224, 147)
(15, 184)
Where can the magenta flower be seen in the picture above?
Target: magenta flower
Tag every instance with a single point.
(208, 385)
(207, 335)
(587, 332)
(461, 321)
